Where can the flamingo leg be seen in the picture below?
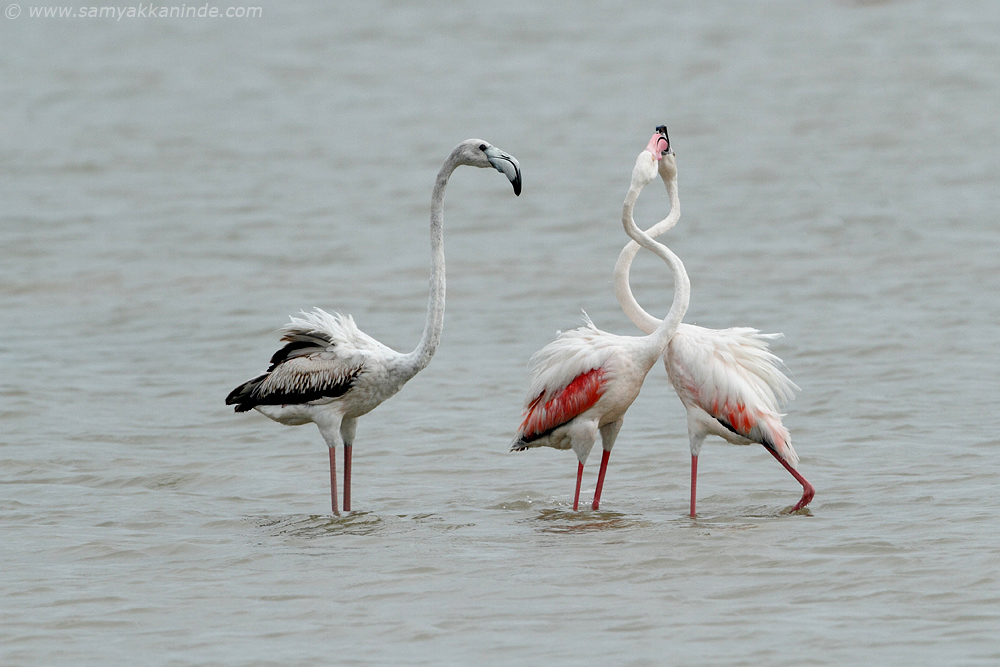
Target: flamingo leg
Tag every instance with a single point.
(600, 479)
(347, 477)
(808, 490)
(333, 479)
(579, 479)
(694, 482)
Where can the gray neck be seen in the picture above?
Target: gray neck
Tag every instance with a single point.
(421, 356)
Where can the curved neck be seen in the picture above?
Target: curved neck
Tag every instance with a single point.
(665, 329)
(623, 290)
(421, 355)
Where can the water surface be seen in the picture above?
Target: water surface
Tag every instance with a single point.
(172, 190)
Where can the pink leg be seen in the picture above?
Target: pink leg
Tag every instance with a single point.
(347, 477)
(600, 479)
(808, 491)
(579, 478)
(694, 482)
(333, 479)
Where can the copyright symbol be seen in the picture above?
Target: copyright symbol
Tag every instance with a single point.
(13, 11)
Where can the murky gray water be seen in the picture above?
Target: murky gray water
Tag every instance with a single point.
(173, 189)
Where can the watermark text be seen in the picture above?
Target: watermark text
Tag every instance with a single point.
(141, 11)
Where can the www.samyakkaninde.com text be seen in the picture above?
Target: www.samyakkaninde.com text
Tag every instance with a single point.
(142, 11)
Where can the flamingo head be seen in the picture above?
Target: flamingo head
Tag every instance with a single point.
(659, 143)
(479, 153)
(664, 154)
(646, 164)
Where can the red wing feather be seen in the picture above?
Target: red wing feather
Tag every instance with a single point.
(574, 399)
(736, 415)
(761, 426)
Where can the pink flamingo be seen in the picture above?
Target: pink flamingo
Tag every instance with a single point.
(584, 381)
(330, 372)
(730, 383)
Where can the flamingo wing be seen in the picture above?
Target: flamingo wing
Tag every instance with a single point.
(731, 375)
(323, 356)
(569, 376)
(550, 410)
(301, 379)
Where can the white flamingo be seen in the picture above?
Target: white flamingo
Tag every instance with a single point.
(730, 383)
(583, 382)
(330, 372)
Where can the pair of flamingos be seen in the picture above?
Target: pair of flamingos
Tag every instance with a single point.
(331, 373)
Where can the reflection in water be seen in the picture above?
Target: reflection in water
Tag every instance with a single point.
(354, 523)
(318, 525)
(516, 505)
(568, 521)
(754, 512)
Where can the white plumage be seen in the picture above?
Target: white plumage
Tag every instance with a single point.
(584, 381)
(571, 353)
(729, 381)
(719, 369)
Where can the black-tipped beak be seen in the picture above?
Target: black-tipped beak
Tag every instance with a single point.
(662, 130)
(506, 165)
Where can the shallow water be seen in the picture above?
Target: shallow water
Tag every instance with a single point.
(173, 189)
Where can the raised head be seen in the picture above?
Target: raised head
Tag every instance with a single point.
(479, 153)
(662, 151)
(646, 164)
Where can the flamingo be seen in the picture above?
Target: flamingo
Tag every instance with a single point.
(584, 381)
(330, 372)
(729, 381)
